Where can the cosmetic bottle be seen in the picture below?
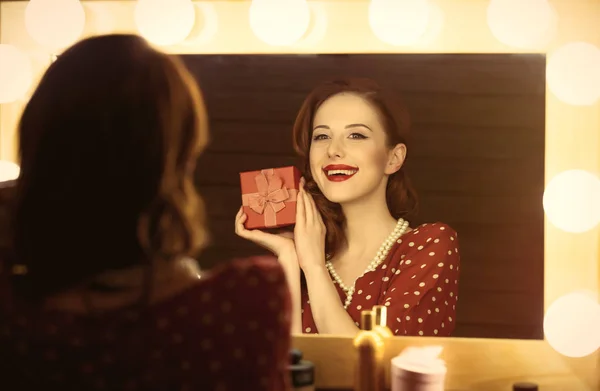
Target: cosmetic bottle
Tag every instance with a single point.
(418, 369)
(381, 327)
(302, 372)
(370, 348)
(385, 333)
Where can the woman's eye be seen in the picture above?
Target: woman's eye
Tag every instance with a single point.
(357, 136)
(319, 137)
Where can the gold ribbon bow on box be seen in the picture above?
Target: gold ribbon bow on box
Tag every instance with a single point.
(271, 196)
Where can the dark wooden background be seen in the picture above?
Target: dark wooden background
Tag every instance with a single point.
(477, 160)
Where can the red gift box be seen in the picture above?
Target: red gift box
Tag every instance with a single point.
(269, 197)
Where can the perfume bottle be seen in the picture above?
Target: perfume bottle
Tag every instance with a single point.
(381, 321)
(385, 333)
(369, 346)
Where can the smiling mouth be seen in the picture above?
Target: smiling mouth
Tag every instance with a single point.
(339, 175)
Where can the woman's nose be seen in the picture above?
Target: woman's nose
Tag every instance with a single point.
(335, 149)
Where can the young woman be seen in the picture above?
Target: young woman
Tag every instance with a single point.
(351, 241)
(103, 292)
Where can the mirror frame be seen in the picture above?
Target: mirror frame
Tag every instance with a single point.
(572, 261)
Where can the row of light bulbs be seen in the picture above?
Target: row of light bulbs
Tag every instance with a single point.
(57, 24)
(573, 70)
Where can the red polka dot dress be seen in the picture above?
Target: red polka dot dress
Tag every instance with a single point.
(231, 331)
(417, 282)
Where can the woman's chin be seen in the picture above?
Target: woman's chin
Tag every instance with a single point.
(340, 197)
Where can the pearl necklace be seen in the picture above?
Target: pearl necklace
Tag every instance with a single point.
(382, 253)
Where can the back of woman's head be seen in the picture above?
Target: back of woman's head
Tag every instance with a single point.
(401, 197)
(107, 143)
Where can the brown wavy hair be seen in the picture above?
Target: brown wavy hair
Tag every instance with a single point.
(108, 144)
(400, 195)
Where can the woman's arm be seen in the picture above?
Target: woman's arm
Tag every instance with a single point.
(289, 263)
(328, 312)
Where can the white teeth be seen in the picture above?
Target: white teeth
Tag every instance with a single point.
(343, 172)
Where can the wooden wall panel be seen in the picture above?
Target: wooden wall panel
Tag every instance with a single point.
(476, 158)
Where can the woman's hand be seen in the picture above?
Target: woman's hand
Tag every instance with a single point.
(309, 233)
(282, 245)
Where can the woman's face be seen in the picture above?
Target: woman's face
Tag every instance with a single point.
(349, 156)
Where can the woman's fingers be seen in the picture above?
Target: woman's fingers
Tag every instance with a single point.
(277, 244)
(240, 219)
(300, 212)
(308, 209)
(315, 211)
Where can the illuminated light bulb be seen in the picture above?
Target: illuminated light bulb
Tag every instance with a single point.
(55, 24)
(522, 23)
(209, 27)
(435, 25)
(399, 22)
(9, 171)
(279, 22)
(573, 73)
(165, 22)
(572, 325)
(16, 74)
(572, 201)
(318, 25)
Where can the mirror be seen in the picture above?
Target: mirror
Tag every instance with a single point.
(476, 160)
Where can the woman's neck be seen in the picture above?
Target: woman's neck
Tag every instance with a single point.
(368, 225)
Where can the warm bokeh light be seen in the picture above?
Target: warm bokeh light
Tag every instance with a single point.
(399, 22)
(165, 22)
(317, 29)
(572, 324)
(435, 26)
(572, 201)
(55, 24)
(16, 73)
(209, 25)
(522, 23)
(279, 22)
(573, 73)
(8, 171)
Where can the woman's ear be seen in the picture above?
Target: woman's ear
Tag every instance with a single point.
(396, 158)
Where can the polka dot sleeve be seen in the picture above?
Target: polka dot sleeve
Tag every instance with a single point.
(261, 315)
(422, 293)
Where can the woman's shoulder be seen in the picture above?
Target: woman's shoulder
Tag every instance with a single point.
(248, 291)
(437, 229)
(426, 240)
(428, 234)
(251, 271)
(248, 280)
(429, 250)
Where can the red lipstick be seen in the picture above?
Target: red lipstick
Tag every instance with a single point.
(339, 172)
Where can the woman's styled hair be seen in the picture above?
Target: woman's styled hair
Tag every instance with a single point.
(401, 196)
(108, 144)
